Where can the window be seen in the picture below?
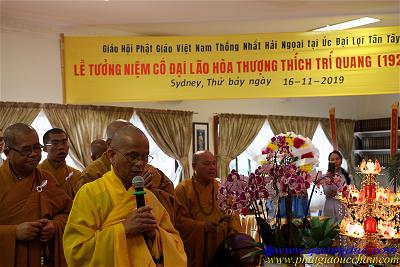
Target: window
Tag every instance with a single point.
(324, 146)
(249, 160)
(41, 124)
(161, 160)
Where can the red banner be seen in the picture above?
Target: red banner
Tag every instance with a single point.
(332, 122)
(393, 129)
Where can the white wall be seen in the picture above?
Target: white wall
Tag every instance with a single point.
(30, 66)
(31, 72)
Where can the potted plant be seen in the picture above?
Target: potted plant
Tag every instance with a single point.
(318, 237)
(287, 171)
(393, 171)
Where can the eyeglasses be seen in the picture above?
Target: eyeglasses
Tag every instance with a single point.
(58, 143)
(26, 151)
(135, 157)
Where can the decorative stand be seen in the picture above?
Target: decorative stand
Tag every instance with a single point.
(371, 223)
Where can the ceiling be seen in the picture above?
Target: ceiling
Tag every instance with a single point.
(189, 17)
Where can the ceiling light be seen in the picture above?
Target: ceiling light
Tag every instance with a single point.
(348, 24)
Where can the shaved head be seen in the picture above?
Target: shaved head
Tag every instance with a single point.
(200, 154)
(11, 133)
(128, 153)
(23, 149)
(98, 145)
(204, 167)
(97, 148)
(125, 134)
(114, 126)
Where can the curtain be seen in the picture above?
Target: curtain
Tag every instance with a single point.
(304, 126)
(253, 151)
(345, 138)
(13, 112)
(171, 130)
(236, 132)
(83, 124)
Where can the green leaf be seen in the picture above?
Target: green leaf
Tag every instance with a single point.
(315, 222)
(325, 243)
(317, 233)
(252, 253)
(320, 233)
(393, 169)
(309, 242)
(330, 225)
(307, 232)
(333, 233)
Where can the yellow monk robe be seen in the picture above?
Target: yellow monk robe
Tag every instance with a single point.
(21, 202)
(162, 188)
(198, 204)
(95, 235)
(66, 176)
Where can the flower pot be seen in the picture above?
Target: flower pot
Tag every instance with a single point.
(312, 260)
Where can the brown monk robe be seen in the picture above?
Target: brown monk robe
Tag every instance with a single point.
(66, 176)
(155, 180)
(33, 208)
(57, 147)
(94, 170)
(200, 222)
(1, 145)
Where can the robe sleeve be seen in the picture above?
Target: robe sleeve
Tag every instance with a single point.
(173, 251)
(165, 193)
(192, 231)
(85, 178)
(234, 225)
(8, 237)
(167, 244)
(74, 180)
(86, 242)
(59, 223)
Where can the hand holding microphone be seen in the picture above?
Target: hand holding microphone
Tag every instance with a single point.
(141, 220)
(138, 184)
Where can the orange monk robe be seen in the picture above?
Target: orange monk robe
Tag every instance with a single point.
(95, 170)
(21, 202)
(66, 176)
(95, 235)
(195, 210)
(162, 188)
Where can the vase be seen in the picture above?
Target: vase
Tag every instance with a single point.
(312, 260)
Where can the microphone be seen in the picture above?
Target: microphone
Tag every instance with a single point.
(138, 184)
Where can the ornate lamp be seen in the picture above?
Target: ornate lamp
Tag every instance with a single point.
(372, 214)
